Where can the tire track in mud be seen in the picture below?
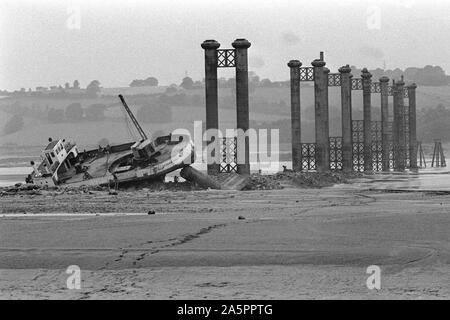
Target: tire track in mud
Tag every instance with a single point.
(339, 202)
(172, 242)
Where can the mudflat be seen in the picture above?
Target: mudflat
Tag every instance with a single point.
(289, 243)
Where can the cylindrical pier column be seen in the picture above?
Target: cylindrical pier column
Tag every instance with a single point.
(321, 115)
(346, 112)
(241, 62)
(412, 126)
(211, 97)
(366, 84)
(384, 83)
(399, 129)
(294, 66)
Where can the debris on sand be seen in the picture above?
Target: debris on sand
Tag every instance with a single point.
(299, 179)
(252, 182)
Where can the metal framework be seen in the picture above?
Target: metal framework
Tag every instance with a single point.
(405, 93)
(375, 87)
(334, 79)
(306, 74)
(390, 91)
(422, 161)
(357, 84)
(308, 156)
(406, 128)
(358, 145)
(390, 144)
(438, 155)
(229, 155)
(377, 145)
(335, 153)
(226, 58)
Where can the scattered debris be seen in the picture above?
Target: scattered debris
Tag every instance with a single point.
(200, 182)
(151, 212)
(241, 218)
(195, 176)
(299, 179)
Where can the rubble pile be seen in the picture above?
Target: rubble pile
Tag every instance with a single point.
(27, 188)
(299, 179)
(153, 186)
(264, 182)
(325, 179)
(254, 182)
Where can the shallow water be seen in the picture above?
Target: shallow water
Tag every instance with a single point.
(431, 179)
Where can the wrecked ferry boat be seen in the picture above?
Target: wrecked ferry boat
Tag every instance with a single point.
(147, 159)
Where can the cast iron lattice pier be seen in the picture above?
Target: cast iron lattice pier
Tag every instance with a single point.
(229, 155)
(226, 58)
(336, 153)
(377, 146)
(308, 156)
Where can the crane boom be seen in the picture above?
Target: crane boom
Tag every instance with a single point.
(133, 119)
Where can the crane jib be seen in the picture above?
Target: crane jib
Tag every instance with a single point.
(135, 122)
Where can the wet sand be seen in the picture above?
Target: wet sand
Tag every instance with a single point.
(293, 243)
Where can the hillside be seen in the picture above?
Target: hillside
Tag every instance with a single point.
(266, 105)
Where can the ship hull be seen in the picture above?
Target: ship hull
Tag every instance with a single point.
(105, 169)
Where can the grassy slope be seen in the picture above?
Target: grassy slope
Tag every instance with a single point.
(36, 132)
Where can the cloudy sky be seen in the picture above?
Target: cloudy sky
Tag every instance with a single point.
(48, 42)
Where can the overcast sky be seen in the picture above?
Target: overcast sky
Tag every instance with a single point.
(47, 43)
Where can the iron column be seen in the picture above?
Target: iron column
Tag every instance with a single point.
(241, 61)
(384, 82)
(366, 85)
(211, 97)
(399, 131)
(321, 115)
(294, 66)
(346, 111)
(401, 128)
(412, 126)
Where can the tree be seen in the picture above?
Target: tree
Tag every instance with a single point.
(187, 83)
(151, 81)
(13, 125)
(431, 76)
(266, 83)
(74, 112)
(95, 112)
(136, 83)
(93, 89)
(76, 84)
(253, 78)
(67, 85)
(171, 90)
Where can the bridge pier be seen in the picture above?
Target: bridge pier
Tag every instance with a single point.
(412, 126)
(384, 82)
(294, 66)
(211, 97)
(346, 118)
(398, 126)
(242, 109)
(321, 115)
(367, 121)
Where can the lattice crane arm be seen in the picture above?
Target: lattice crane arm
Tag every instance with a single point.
(133, 119)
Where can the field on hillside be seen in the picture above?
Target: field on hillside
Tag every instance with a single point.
(264, 107)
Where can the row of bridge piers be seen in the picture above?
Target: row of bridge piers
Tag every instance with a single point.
(365, 145)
